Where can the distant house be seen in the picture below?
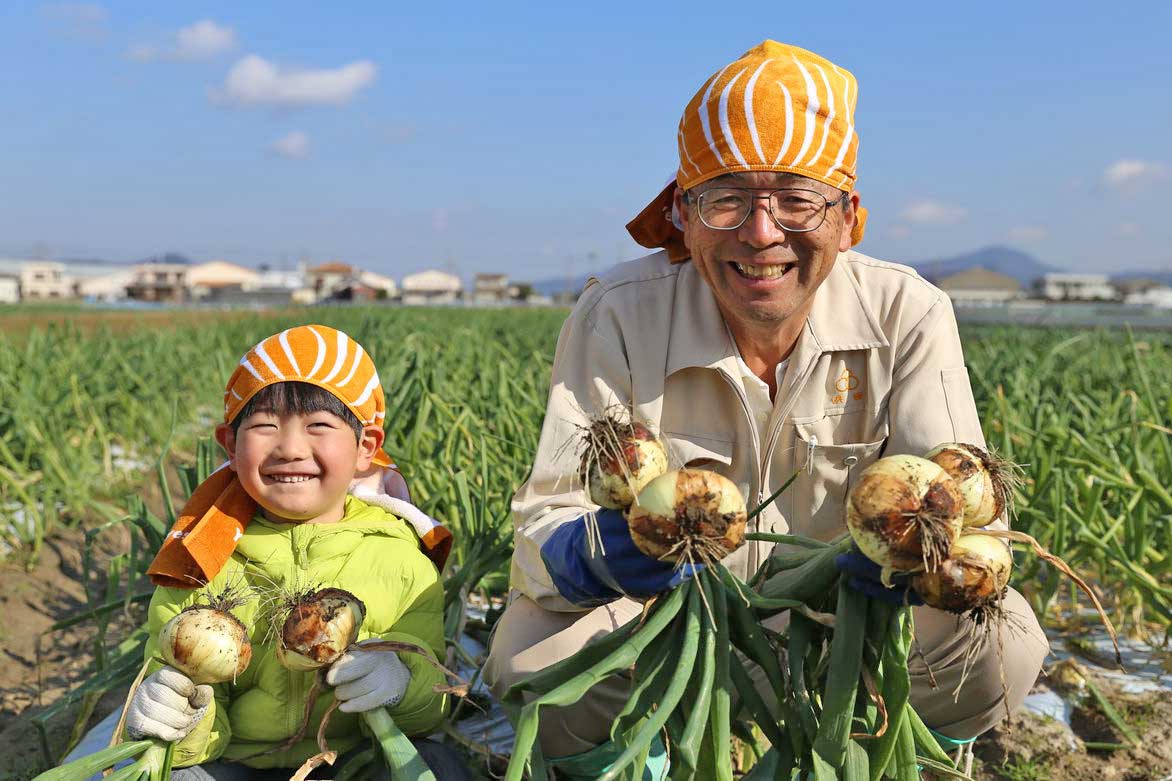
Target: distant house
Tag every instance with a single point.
(204, 278)
(9, 289)
(44, 281)
(490, 288)
(106, 287)
(384, 287)
(160, 281)
(431, 287)
(1153, 294)
(324, 278)
(980, 286)
(1076, 287)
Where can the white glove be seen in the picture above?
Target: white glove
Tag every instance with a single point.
(365, 680)
(167, 705)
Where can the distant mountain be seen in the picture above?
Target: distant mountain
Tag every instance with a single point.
(1021, 266)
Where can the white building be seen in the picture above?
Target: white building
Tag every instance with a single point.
(9, 289)
(490, 288)
(203, 278)
(1157, 295)
(42, 280)
(1076, 287)
(431, 287)
(378, 282)
(159, 281)
(106, 287)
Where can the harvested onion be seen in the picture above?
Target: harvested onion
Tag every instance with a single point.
(688, 514)
(205, 644)
(985, 481)
(319, 628)
(618, 460)
(904, 513)
(974, 575)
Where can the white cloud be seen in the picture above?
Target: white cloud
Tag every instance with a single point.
(933, 213)
(83, 20)
(1027, 233)
(202, 40)
(1126, 172)
(254, 81)
(295, 145)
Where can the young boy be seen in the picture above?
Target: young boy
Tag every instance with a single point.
(302, 423)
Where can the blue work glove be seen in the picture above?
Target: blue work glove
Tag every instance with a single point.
(864, 576)
(591, 578)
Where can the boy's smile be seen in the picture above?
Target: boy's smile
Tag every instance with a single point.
(298, 467)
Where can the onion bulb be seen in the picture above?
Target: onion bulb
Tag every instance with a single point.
(689, 514)
(205, 644)
(974, 575)
(618, 459)
(319, 628)
(904, 513)
(985, 481)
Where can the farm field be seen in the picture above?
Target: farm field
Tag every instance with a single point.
(96, 415)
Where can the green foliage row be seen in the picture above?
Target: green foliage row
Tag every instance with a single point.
(1089, 414)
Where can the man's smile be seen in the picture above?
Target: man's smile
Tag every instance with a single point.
(762, 270)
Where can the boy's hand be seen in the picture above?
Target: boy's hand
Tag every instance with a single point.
(167, 705)
(365, 680)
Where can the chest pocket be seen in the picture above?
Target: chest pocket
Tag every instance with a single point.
(827, 468)
(698, 450)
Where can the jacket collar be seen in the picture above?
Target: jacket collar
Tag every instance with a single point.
(840, 319)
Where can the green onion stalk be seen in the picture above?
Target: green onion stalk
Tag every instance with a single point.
(318, 629)
(207, 644)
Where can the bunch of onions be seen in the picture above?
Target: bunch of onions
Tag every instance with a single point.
(973, 577)
(688, 515)
(904, 514)
(984, 480)
(618, 458)
(207, 644)
(317, 630)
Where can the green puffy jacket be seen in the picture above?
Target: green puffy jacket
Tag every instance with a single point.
(371, 553)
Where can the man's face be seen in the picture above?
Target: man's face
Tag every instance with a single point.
(298, 467)
(760, 274)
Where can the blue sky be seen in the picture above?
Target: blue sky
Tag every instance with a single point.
(520, 137)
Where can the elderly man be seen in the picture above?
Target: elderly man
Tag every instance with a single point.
(758, 343)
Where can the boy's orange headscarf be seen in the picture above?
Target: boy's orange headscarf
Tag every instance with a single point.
(777, 108)
(218, 511)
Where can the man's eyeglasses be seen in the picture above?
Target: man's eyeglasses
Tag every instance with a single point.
(794, 210)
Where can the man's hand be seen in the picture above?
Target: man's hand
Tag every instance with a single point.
(593, 570)
(365, 680)
(167, 705)
(864, 575)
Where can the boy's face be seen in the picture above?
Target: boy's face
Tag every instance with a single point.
(298, 467)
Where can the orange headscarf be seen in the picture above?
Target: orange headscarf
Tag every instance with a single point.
(777, 108)
(219, 510)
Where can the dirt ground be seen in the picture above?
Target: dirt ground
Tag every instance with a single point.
(36, 668)
(1034, 748)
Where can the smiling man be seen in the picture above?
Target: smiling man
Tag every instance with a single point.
(759, 344)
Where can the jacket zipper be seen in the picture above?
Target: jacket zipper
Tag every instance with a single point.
(796, 389)
(759, 476)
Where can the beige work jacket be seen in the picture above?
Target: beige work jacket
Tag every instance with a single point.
(877, 370)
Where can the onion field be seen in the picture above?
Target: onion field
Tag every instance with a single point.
(92, 420)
